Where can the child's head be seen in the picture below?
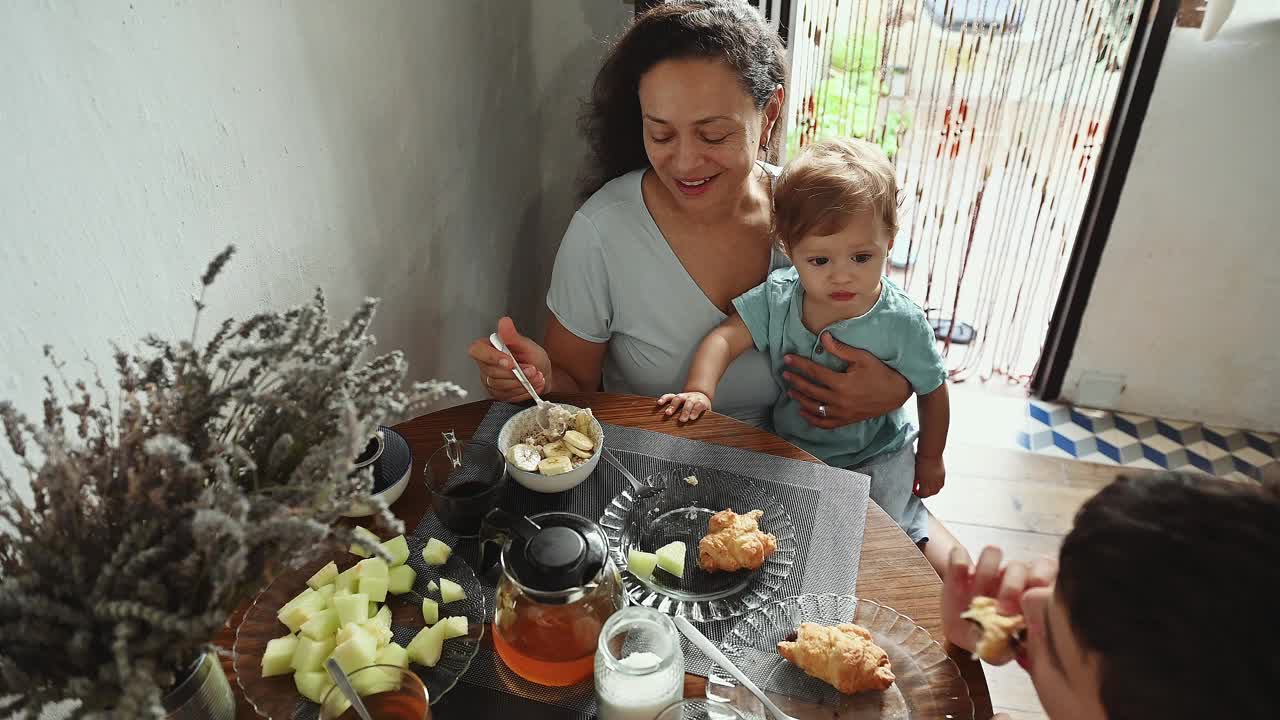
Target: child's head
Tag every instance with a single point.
(1164, 605)
(835, 215)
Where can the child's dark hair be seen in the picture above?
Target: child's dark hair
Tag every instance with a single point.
(1173, 581)
(727, 29)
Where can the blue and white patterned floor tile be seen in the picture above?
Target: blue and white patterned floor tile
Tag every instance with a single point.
(1142, 442)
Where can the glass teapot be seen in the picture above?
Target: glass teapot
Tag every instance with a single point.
(558, 587)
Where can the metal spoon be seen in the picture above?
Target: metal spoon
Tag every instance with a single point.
(641, 491)
(544, 407)
(344, 685)
(709, 649)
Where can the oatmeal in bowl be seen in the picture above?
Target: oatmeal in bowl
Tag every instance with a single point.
(555, 455)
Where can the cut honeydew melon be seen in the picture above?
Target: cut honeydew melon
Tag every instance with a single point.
(356, 653)
(372, 568)
(400, 580)
(433, 586)
(454, 627)
(641, 564)
(393, 654)
(426, 646)
(374, 680)
(671, 558)
(383, 617)
(368, 538)
(321, 625)
(346, 580)
(375, 588)
(450, 591)
(313, 685)
(277, 659)
(327, 592)
(323, 576)
(295, 617)
(381, 635)
(352, 608)
(430, 611)
(436, 552)
(398, 548)
(349, 631)
(310, 655)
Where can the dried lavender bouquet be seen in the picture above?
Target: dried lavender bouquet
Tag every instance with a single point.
(163, 503)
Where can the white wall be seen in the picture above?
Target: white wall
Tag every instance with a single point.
(1185, 302)
(422, 151)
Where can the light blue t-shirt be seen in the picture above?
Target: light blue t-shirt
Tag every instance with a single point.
(617, 281)
(894, 329)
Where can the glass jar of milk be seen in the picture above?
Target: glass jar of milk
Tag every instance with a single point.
(639, 665)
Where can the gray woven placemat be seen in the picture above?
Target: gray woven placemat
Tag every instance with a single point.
(827, 507)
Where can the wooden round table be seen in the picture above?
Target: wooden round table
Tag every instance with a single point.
(892, 572)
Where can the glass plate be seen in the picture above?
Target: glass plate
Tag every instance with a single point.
(928, 683)
(276, 697)
(681, 512)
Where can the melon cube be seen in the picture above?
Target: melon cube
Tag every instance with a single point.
(430, 611)
(398, 548)
(277, 659)
(383, 617)
(372, 568)
(308, 598)
(671, 558)
(641, 564)
(426, 646)
(450, 591)
(356, 653)
(436, 552)
(349, 631)
(323, 576)
(295, 617)
(374, 680)
(432, 586)
(400, 580)
(337, 594)
(352, 608)
(327, 592)
(381, 635)
(393, 654)
(363, 537)
(454, 627)
(311, 654)
(374, 608)
(321, 625)
(346, 579)
(375, 588)
(313, 685)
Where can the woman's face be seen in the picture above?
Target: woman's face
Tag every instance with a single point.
(702, 131)
(1066, 676)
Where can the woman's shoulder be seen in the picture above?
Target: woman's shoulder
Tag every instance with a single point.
(617, 199)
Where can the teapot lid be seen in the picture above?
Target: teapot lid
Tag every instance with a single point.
(566, 551)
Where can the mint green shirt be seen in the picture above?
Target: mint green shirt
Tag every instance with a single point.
(894, 329)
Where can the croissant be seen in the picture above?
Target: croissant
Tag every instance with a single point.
(735, 542)
(999, 632)
(843, 656)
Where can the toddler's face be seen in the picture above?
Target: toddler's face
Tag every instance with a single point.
(843, 270)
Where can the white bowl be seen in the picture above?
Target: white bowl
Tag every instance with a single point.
(523, 424)
(389, 494)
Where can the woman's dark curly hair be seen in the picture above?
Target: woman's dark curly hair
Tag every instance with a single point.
(728, 29)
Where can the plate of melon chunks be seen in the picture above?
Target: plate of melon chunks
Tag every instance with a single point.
(414, 605)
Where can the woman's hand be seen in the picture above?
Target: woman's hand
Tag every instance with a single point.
(1005, 583)
(867, 389)
(495, 366)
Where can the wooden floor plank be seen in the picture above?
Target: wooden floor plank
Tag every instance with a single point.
(1021, 546)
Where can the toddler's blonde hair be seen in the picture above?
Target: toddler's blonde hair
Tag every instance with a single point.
(829, 183)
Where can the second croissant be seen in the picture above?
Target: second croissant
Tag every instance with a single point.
(735, 542)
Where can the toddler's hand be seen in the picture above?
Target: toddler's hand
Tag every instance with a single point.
(931, 475)
(690, 405)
